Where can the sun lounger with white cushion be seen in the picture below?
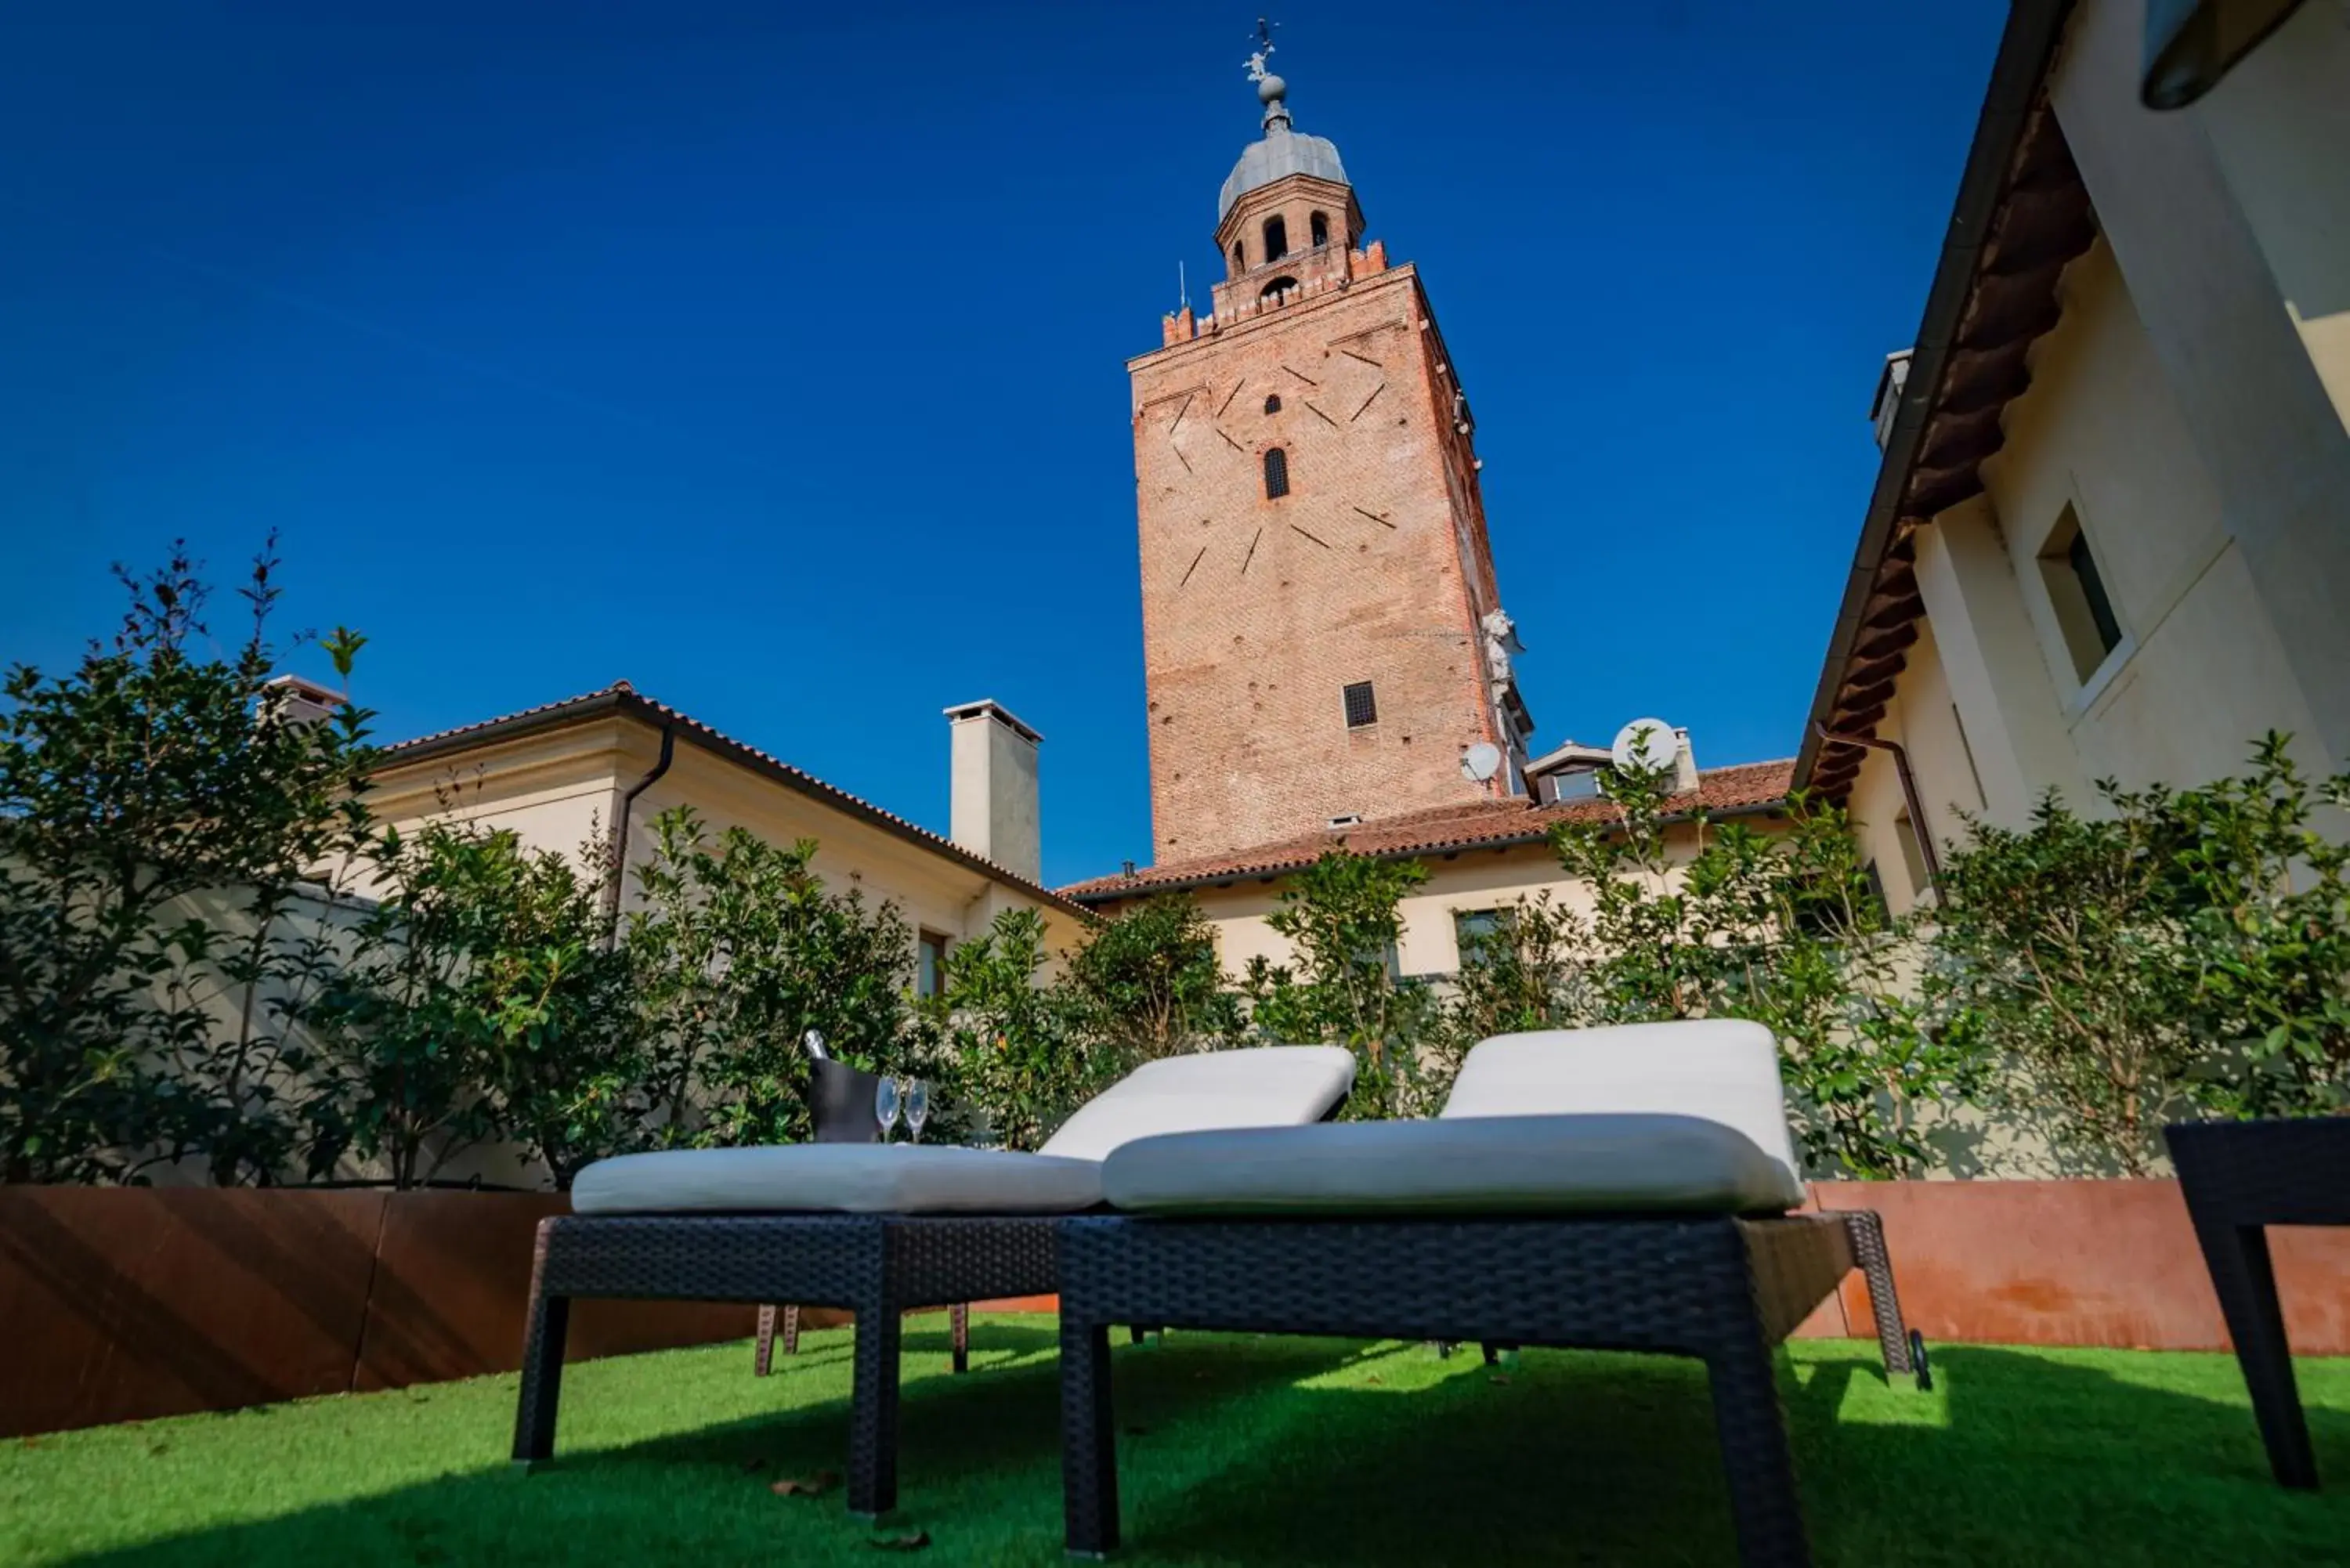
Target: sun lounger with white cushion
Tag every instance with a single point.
(1623, 1188)
(876, 1227)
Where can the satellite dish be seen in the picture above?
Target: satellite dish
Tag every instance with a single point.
(1646, 746)
(1481, 761)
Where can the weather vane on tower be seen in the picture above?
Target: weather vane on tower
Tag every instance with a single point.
(1256, 71)
(1270, 90)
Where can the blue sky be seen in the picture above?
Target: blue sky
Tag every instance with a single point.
(773, 357)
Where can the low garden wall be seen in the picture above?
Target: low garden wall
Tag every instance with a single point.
(2073, 1263)
(127, 1304)
(123, 1303)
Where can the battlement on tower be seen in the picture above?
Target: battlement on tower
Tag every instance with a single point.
(1270, 286)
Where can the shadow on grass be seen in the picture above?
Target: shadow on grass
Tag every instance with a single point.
(1236, 1449)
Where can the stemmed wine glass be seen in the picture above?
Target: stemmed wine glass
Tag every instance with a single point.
(918, 1105)
(885, 1105)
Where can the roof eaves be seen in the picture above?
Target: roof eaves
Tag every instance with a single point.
(622, 700)
(2026, 48)
(1112, 889)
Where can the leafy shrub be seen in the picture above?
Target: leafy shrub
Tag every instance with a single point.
(161, 818)
(737, 950)
(1147, 982)
(2183, 948)
(1343, 917)
(478, 1000)
(1021, 1062)
(1779, 927)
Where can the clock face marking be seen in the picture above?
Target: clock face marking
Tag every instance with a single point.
(1252, 552)
(1230, 396)
(1325, 418)
(1374, 518)
(1295, 529)
(1193, 567)
(1367, 403)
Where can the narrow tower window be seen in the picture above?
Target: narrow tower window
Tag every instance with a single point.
(1362, 708)
(1276, 238)
(1273, 404)
(1321, 230)
(1276, 476)
(1240, 259)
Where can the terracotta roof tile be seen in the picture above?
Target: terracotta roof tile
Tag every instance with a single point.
(620, 697)
(1433, 831)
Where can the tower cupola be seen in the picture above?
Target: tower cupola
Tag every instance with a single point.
(1287, 209)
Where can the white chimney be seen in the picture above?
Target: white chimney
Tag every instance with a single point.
(301, 701)
(1886, 401)
(992, 794)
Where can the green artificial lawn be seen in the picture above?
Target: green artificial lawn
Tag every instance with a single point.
(1232, 1449)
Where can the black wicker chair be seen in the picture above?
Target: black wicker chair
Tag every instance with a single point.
(879, 1265)
(1630, 1192)
(841, 1108)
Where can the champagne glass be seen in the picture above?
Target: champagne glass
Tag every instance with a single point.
(918, 1107)
(885, 1105)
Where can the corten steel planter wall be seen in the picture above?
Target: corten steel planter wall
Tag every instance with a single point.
(121, 1305)
(2073, 1262)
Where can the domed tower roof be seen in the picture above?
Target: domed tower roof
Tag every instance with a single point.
(1282, 151)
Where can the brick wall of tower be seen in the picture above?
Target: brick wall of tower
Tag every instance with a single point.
(1257, 613)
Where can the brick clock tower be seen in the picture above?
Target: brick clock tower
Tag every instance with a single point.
(1321, 634)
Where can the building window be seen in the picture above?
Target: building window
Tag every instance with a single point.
(1276, 474)
(2076, 590)
(1240, 259)
(1277, 292)
(1474, 929)
(1876, 884)
(1273, 404)
(1277, 239)
(930, 965)
(1321, 230)
(1913, 855)
(1362, 708)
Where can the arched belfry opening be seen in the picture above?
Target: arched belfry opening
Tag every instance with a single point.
(1276, 237)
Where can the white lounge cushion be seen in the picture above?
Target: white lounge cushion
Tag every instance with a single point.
(839, 1178)
(1264, 1086)
(1580, 1164)
(1720, 1070)
(1271, 1086)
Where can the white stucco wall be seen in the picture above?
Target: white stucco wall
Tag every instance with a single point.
(2199, 671)
(2228, 222)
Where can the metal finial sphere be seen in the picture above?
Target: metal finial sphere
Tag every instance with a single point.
(1271, 89)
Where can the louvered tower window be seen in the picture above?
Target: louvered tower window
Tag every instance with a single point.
(1276, 474)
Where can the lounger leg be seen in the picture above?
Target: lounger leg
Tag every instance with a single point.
(1088, 1440)
(542, 1367)
(959, 1321)
(873, 1412)
(2238, 1257)
(1752, 1428)
(762, 1351)
(1868, 1233)
(791, 1331)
